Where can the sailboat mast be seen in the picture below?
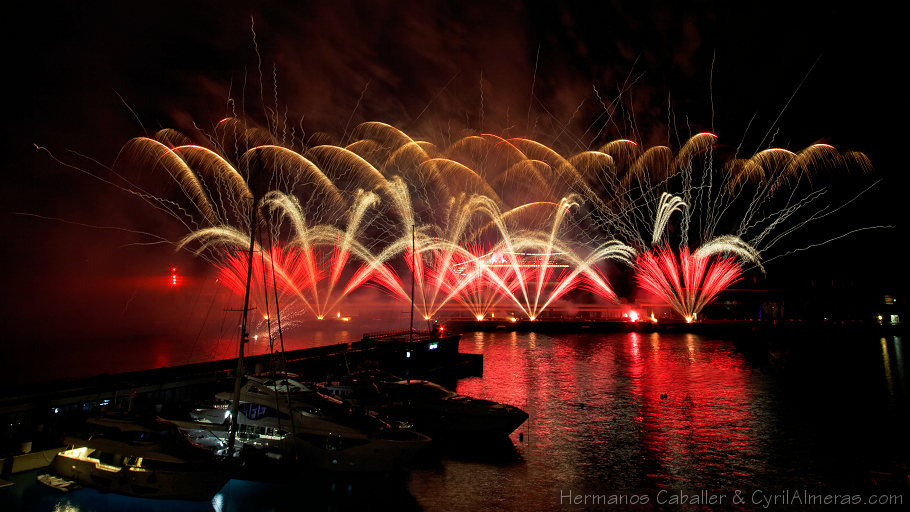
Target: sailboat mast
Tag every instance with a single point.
(244, 336)
(413, 272)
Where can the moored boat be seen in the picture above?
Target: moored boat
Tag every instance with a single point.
(148, 458)
(287, 422)
(57, 483)
(429, 407)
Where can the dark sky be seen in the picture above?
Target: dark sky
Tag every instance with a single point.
(83, 79)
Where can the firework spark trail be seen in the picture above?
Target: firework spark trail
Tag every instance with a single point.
(344, 216)
(480, 295)
(457, 274)
(689, 283)
(542, 247)
(288, 274)
(820, 215)
(765, 213)
(667, 205)
(157, 238)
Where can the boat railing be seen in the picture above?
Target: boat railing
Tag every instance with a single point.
(379, 335)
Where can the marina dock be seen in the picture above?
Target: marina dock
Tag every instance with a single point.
(33, 418)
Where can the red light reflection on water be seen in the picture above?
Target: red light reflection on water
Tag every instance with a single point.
(637, 410)
(693, 408)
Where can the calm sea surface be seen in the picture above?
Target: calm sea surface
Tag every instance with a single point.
(647, 419)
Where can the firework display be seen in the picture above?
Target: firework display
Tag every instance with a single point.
(482, 222)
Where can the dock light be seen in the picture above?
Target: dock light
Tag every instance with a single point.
(633, 316)
(479, 317)
(653, 318)
(407, 354)
(532, 318)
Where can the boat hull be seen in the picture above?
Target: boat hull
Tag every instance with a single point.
(332, 455)
(442, 421)
(198, 483)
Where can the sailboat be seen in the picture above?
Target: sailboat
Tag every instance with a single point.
(279, 419)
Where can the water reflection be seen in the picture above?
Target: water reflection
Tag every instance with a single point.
(899, 362)
(631, 411)
(887, 363)
(65, 506)
(893, 366)
(624, 411)
(693, 404)
(637, 412)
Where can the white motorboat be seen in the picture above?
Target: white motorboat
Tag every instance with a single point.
(312, 430)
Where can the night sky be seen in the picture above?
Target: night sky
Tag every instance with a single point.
(81, 80)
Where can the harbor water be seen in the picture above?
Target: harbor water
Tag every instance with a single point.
(646, 420)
